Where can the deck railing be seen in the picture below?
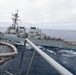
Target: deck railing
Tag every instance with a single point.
(59, 68)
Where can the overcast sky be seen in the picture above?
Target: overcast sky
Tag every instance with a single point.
(52, 14)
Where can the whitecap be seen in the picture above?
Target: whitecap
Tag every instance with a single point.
(64, 62)
(68, 52)
(51, 51)
(68, 55)
(28, 46)
(41, 47)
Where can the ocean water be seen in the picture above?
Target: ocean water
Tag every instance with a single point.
(66, 57)
(68, 35)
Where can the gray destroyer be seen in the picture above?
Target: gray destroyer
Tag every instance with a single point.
(18, 33)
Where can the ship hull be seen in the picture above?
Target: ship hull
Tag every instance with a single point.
(43, 42)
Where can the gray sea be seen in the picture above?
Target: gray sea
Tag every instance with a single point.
(69, 35)
(66, 57)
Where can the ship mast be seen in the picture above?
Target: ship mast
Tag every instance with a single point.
(15, 19)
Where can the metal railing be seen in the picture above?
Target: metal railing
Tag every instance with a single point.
(60, 69)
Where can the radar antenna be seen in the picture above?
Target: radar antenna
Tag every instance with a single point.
(15, 19)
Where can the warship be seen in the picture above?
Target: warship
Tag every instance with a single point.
(19, 34)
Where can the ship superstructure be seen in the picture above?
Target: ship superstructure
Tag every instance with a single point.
(36, 33)
(15, 29)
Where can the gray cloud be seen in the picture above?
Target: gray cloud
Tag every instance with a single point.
(58, 14)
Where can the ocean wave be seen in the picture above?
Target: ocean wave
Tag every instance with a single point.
(64, 62)
(41, 47)
(28, 46)
(51, 51)
(67, 51)
(68, 55)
